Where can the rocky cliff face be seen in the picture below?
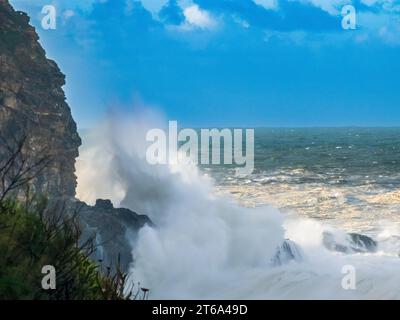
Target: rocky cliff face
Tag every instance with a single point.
(32, 103)
(114, 229)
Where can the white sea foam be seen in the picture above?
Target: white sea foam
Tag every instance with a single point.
(208, 246)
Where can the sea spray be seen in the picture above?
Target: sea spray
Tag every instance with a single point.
(206, 246)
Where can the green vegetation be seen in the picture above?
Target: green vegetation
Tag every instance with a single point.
(33, 238)
(36, 234)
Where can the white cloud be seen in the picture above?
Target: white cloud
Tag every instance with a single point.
(385, 26)
(387, 5)
(333, 7)
(195, 17)
(84, 5)
(198, 18)
(267, 4)
(68, 14)
(241, 21)
(154, 6)
(369, 2)
(60, 5)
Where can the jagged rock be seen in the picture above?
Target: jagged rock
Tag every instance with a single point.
(104, 204)
(115, 229)
(32, 103)
(352, 243)
(363, 243)
(287, 252)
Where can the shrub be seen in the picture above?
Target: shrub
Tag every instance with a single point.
(31, 238)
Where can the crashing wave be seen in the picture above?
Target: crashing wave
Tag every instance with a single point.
(206, 246)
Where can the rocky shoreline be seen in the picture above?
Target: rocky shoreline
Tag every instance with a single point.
(33, 104)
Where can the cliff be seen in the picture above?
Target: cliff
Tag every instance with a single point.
(33, 104)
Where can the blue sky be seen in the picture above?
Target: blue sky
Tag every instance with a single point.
(228, 62)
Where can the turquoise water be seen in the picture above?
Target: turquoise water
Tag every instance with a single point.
(350, 176)
(332, 155)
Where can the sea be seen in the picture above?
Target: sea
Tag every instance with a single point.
(218, 235)
(349, 177)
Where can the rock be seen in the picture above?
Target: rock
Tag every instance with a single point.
(104, 204)
(114, 229)
(352, 243)
(32, 103)
(288, 251)
(363, 243)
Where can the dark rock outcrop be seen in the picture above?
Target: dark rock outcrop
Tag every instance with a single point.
(363, 243)
(115, 230)
(353, 243)
(286, 252)
(104, 204)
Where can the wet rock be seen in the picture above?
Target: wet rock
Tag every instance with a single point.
(352, 243)
(288, 251)
(114, 229)
(104, 204)
(363, 243)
